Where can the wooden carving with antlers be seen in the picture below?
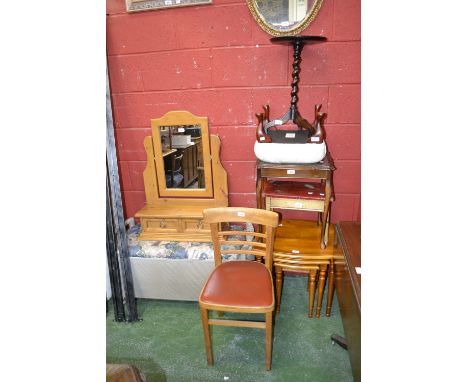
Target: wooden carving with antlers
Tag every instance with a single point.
(267, 131)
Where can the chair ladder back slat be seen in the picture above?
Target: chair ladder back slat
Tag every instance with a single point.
(216, 247)
(242, 242)
(241, 214)
(254, 234)
(243, 252)
(262, 247)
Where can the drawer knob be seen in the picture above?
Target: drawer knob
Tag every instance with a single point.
(162, 224)
(200, 224)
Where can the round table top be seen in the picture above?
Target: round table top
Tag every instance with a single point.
(302, 39)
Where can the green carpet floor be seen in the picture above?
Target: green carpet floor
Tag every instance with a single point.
(167, 345)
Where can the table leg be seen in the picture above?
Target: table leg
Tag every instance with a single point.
(279, 286)
(259, 188)
(331, 288)
(327, 226)
(321, 287)
(324, 229)
(319, 214)
(311, 289)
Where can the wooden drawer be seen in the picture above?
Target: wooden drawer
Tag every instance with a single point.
(297, 204)
(293, 173)
(174, 229)
(195, 225)
(160, 225)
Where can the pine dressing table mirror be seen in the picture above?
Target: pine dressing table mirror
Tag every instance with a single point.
(284, 17)
(183, 176)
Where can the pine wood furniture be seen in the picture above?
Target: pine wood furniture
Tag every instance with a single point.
(288, 262)
(177, 213)
(240, 286)
(321, 171)
(347, 255)
(297, 249)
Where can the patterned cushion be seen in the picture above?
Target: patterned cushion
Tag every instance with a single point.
(182, 249)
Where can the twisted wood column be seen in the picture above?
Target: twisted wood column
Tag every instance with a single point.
(297, 46)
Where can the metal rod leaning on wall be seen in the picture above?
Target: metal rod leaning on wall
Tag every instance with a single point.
(117, 211)
(113, 259)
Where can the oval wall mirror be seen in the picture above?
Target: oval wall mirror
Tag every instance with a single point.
(284, 17)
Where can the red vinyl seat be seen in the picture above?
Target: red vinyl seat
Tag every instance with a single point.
(243, 284)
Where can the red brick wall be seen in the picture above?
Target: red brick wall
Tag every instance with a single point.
(215, 61)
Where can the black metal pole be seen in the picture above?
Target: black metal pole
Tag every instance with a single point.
(117, 212)
(113, 259)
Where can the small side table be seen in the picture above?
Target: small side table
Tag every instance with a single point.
(322, 170)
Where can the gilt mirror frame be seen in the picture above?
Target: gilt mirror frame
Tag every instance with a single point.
(182, 118)
(296, 29)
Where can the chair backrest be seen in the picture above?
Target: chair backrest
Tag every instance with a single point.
(262, 243)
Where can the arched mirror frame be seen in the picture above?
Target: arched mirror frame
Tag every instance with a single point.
(181, 118)
(296, 29)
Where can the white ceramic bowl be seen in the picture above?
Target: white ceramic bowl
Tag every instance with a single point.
(290, 152)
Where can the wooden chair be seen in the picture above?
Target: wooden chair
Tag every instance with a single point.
(240, 286)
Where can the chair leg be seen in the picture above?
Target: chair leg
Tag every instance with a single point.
(268, 338)
(331, 288)
(312, 278)
(279, 287)
(321, 287)
(207, 336)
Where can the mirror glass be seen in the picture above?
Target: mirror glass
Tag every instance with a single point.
(284, 17)
(182, 153)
